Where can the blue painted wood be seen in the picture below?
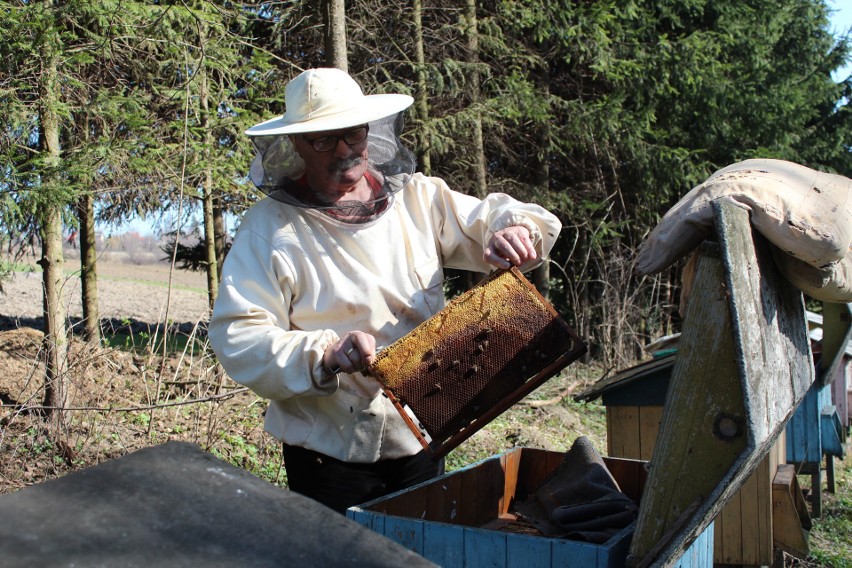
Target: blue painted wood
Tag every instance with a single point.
(443, 545)
(457, 546)
(812, 432)
(572, 554)
(407, 532)
(618, 548)
(524, 551)
(832, 432)
(484, 548)
(360, 517)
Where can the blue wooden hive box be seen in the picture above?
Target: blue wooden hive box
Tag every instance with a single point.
(463, 519)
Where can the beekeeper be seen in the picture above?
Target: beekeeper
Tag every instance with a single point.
(344, 256)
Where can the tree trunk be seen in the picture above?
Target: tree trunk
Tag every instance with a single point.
(478, 149)
(88, 268)
(541, 173)
(55, 331)
(421, 98)
(207, 190)
(219, 234)
(334, 14)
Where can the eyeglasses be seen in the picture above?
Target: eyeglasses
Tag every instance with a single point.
(329, 143)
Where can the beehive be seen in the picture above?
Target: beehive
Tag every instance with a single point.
(483, 352)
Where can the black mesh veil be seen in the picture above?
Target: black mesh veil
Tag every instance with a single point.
(277, 167)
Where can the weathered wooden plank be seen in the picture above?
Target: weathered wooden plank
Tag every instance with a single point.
(688, 460)
(744, 364)
(624, 441)
(790, 519)
(650, 418)
(750, 518)
(732, 535)
(769, 324)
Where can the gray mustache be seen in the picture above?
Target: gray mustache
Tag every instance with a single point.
(344, 164)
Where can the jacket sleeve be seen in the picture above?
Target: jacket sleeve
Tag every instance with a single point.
(250, 328)
(466, 224)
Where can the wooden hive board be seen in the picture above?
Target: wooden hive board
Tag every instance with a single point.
(487, 349)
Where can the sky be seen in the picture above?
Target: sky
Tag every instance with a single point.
(841, 22)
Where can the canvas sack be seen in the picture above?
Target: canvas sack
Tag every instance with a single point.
(804, 213)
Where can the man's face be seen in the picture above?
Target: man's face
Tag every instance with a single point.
(333, 165)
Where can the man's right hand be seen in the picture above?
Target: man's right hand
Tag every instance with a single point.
(351, 353)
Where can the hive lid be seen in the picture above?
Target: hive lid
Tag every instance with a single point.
(463, 367)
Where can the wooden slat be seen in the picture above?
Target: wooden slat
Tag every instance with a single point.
(407, 532)
(764, 474)
(732, 535)
(524, 551)
(511, 464)
(484, 548)
(688, 459)
(575, 554)
(533, 470)
(650, 418)
(438, 503)
(630, 475)
(623, 438)
(750, 519)
(443, 544)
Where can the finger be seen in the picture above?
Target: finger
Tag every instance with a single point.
(494, 259)
(508, 247)
(529, 252)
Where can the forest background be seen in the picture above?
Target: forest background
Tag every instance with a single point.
(605, 112)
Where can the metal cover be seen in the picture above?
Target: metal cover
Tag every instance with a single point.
(487, 349)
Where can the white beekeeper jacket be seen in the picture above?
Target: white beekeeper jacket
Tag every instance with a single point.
(296, 280)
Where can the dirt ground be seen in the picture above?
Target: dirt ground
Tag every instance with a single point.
(126, 290)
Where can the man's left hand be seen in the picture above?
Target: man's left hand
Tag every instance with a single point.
(511, 246)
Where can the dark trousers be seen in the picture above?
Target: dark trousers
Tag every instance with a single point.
(340, 485)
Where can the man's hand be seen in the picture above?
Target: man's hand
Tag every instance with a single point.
(352, 353)
(511, 246)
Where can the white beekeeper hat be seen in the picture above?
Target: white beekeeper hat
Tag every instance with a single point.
(328, 99)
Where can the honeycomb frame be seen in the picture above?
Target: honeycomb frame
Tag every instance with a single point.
(488, 348)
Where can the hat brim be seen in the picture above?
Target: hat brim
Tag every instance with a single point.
(372, 107)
